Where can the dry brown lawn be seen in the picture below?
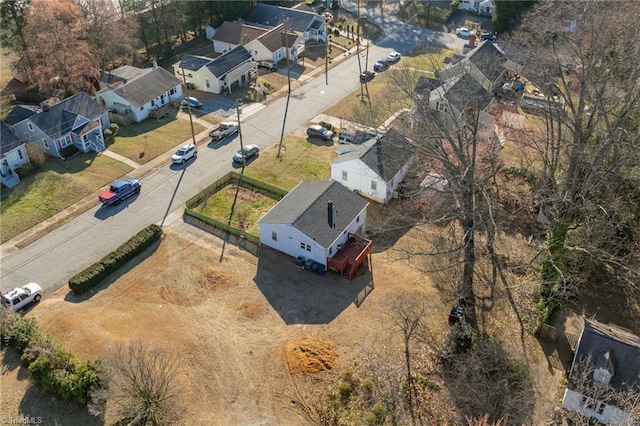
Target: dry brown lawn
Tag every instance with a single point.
(257, 337)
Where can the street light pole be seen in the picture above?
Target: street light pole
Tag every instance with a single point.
(286, 108)
(184, 80)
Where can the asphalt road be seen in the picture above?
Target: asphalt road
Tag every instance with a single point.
(54, 258)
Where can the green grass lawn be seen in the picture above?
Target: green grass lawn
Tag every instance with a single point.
(427, 58)
(249, 207)
(54, 187)
(145, 141)
(300, 160)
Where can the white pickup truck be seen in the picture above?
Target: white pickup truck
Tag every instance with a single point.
(224, 129)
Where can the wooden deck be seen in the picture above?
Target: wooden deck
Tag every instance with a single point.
(353, 253)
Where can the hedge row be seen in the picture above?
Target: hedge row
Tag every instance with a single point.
(52, 367)
(96, 273)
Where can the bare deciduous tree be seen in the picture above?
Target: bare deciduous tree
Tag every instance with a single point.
(143, 383)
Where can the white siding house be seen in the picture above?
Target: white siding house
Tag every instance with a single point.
(13, 154)
(375, 168)
(314, 220)
(606, 357)
(222, 74)
(133, 92)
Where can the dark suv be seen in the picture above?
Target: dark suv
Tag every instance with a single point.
(317, 131)
(268, 65)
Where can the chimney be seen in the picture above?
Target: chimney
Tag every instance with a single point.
(155, 65)
(330, 213)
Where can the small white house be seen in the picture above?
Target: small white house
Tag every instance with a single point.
(223, 74)
(483, 7)
(375, 168)
(607, 356)
(315, 220)
(134, 92)
(13, 154)
(310, 25)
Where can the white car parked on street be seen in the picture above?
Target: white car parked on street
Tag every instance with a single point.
(18, 298)
(185, 153)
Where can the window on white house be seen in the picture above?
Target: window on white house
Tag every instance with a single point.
(172, 91)
(27, 136)
(207, 83)
(45, 144)
(302, 245)
(65, 142)
(308, 247)
(30, 126)
(374, 185)
(274, 236)
(344, 175)
(153, 102)
(592, 404)
(20, 154)
(142, 108)
(358, 219)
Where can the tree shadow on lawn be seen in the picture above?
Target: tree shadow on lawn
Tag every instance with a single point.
(114, 276)
(303, 297)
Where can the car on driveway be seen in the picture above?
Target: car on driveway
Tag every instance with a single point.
(345, 138)
(367, 76)
(393, 57)
(18, 298)
(268, 65)
(464, 32)
(246, 153)
(192, 102)
(184, 154)
(489, 36)
(381, 65)
(317, 131)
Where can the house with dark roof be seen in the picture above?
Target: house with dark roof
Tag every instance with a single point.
(223, 74)
(375, 168)
(66, 127)
(133, 93)
(311, 25)
(606, 360)
(275, 45)
(230, 35)
(13, 154)
(486, 64)
(322, 221)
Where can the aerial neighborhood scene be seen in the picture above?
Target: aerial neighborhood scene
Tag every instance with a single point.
(321, 212)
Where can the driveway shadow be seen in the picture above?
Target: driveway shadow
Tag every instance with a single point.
(105, 212)
(177, 167)
(303, 297)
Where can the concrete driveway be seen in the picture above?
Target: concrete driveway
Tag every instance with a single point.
(211, 103)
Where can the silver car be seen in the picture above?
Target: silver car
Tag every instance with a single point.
(185, 153)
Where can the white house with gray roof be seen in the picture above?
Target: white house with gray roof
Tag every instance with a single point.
(314, 220)
(13, 154)
(375, 168)
(134, 92)
(72, 125)
(311, 25)
(223, 74)
(607, 356)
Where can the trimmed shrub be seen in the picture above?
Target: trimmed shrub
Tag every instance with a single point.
(108, 134)
(327, 126)
(96, 273)
(114, 128)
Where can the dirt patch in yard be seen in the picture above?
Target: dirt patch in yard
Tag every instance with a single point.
(308, 355)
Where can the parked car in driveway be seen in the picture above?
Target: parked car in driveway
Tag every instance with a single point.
(118, 191)
(192, 102)
(345, 138)
(367, 76)
(393, 57)
(268, 65)
(464, 32)
(489, 36)
(18, 298)
(184, 153)
(246, 153)
(317, 131)
(381, 65)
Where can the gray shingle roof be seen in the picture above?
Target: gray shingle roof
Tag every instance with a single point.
(489, 60)
(305, 208)
(266, 14)
(272, 40)
(235, 33)
(468, 93)
(20, 113)
(148, 86)
(60, 118)
(229, 61)
(124, 73)
(8, 141)
(425, 85)
(598, 338)
(194, 63)
(387, 156)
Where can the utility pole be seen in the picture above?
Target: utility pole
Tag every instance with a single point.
(286, 108)
(184, 80)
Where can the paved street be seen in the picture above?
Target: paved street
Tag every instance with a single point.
(58, 255)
